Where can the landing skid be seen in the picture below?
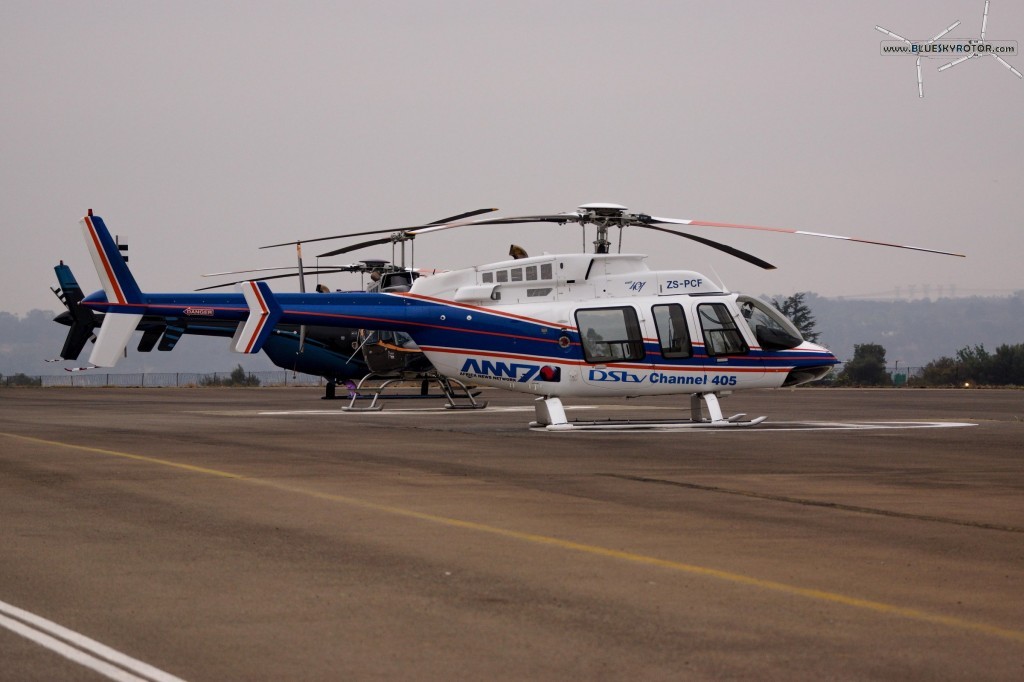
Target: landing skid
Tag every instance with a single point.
(551, 417)
(457, 394)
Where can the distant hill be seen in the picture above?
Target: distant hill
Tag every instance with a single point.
(917, 332)
(912, 332)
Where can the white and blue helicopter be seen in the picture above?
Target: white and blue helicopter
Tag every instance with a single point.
(554, 326)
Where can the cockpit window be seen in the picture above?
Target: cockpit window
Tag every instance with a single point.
(673, 336)
(770, 327)
(721, 335)
(610, 334)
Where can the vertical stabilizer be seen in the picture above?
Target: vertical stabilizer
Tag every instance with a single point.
(264, 312)
(115, 277)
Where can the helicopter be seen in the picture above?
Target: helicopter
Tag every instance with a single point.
(554, 326)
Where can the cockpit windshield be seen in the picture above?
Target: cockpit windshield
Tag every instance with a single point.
(770, 327)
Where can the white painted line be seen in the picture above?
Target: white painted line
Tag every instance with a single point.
(861, 426)
(418, 410)
(768, 427)
(79, 648)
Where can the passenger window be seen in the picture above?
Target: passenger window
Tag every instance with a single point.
(721, 335)
(673, 335)
(610, 334)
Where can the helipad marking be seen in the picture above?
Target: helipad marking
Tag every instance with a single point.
(409, 410)
(773, 427)
(570, 545)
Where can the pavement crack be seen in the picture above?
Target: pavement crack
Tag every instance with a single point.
(819, 503)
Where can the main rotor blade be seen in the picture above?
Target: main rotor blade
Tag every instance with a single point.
(545, 218)
(742, 255)
(467, 214)
(704, 223)
(351, 267)
(242, 272)
(462, 216)
(319, 271)
(355, 247)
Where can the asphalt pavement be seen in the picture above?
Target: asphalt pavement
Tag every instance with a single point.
(217, 534)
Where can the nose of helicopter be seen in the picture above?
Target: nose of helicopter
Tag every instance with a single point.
(814, 363)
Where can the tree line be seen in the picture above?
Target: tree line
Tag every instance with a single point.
(971, 365)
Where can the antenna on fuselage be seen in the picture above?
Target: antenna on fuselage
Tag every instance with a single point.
(721, 280)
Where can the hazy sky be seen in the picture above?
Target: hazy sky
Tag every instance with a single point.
(200, 131)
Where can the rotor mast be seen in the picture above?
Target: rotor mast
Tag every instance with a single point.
(603, 216)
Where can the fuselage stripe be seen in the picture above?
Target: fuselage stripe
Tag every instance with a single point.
(488, 311)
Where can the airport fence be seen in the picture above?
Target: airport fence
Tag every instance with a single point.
(164, 379)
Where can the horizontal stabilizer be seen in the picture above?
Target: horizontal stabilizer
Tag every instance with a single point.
(114, 333)
(264, 312)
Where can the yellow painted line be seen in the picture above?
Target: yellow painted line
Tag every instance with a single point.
(569, 545)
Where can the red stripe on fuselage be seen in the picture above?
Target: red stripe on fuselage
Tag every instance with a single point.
(492, 311)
